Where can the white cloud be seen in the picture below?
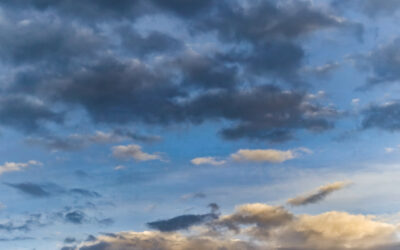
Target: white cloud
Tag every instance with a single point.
(134, 151)
(14, 166)
(207, 160)
(119, 167)
(268, 155)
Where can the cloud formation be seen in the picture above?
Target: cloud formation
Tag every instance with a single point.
(17, 166)
(116, 73)
(267, 155)
(318, 195)
(207, 160)
(266, 227)
(385, 116)
(134, 151)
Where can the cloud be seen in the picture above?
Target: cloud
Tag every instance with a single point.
(260, 226)
(382, 63)
(31, 189)
(75, 217)
(385, 116)
(120, 75)
(48, 189)
(207, 160)
(26, 113)
(14, 166)
(181, 222)
(134, 151)
(267, 155)
(318, 195)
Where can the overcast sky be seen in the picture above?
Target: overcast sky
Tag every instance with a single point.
(199, 124)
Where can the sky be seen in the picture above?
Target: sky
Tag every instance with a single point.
(199, 124)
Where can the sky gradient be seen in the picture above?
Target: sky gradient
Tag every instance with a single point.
(199, 124)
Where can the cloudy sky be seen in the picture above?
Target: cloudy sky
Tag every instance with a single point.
(199, 124)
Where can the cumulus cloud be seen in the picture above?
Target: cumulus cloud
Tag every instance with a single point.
(263, 227)
(15, 166)
(134, 151)
(267, 155)
(119, 74)
(318, 195)
(207, 160)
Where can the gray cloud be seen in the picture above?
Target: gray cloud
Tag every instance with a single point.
(26, 113)
(181, 222)
(318, 195)
(382, 62)
(385, 117)
(31, 189)
(49, 189)
(75, 217)
(123, 76)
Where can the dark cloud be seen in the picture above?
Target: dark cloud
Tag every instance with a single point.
(75, 217)
(73, 65)
(185, 8)
(47, 42)
(26, 113)
(385, 117)
(69, 240)
(87, 10)
(264, 113)
(49, 189)
(153, 43)
(383, 63)
(181, 222)
(214, 207)
(139, 94)
(203, 71)
(262, 21)
(31, 189)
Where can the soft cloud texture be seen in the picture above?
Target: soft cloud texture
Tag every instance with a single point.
(266, 227)
(15, 166)
(267, 155)
(317, 195)
(134, 151)
(207, 160)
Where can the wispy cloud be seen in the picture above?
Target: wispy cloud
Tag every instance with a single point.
(207, 160)
(134, 151)
(318, 195)
(15, 166)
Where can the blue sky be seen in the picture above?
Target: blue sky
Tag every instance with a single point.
(199, 124)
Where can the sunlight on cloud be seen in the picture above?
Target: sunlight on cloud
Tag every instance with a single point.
(134, 151)
(268, 155)
(14, 166)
